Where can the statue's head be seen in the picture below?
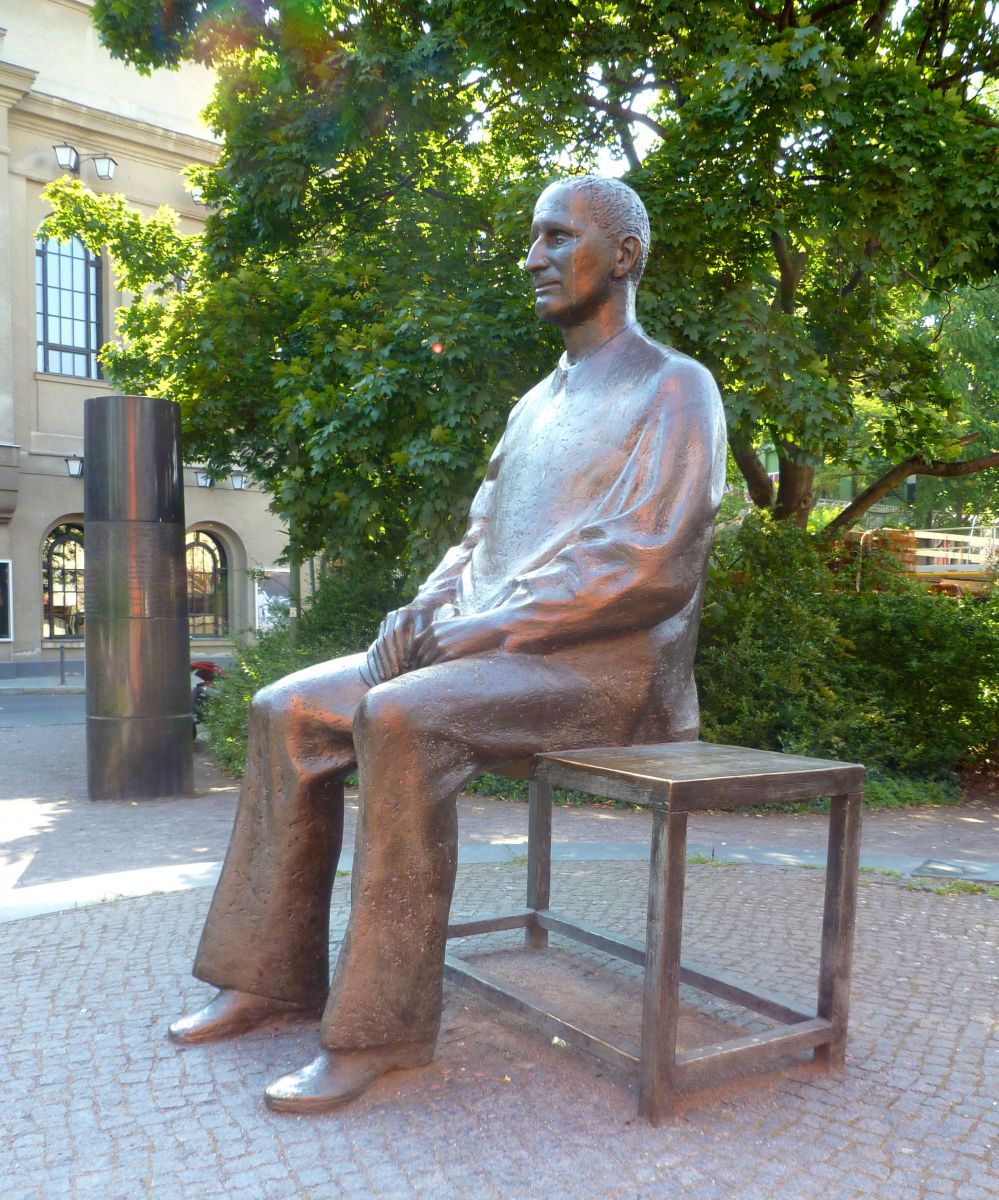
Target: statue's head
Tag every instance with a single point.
(589, 244)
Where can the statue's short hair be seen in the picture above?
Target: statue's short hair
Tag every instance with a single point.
(619, 211)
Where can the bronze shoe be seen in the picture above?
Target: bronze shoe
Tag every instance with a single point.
(230, 1013)
(337, 1076)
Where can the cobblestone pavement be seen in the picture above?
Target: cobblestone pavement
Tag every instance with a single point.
(50, 831)
(95, 1104)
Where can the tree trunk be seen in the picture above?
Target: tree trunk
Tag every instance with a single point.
(794, 492)
(758, 483)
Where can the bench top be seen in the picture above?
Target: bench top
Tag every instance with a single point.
(698, 775)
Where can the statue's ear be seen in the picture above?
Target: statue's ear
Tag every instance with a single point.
(628, 253)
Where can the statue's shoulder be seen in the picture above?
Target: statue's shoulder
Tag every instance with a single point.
(674, 374)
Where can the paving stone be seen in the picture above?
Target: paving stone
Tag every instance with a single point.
(85, 997)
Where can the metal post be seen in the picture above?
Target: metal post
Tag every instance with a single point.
(62, 666)
(139, 721)
(659, 1078)
(539, 858)
(838, 920)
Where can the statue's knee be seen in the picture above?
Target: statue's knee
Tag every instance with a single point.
(386, 710)
(268, 705)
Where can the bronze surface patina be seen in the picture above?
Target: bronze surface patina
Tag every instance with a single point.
(567, 617)
(137, 640)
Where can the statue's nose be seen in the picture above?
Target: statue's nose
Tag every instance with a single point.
(536, 257)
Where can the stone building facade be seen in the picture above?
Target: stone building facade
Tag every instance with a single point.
(60, 88)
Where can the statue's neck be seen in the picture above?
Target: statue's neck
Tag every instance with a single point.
(590, 335)
(574, 356)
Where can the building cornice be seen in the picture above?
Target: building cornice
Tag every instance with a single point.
(75, 5)
(15, 83)
(143, 141)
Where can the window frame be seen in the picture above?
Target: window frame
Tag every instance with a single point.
(47, 252)
(72, 531)
(216, 610)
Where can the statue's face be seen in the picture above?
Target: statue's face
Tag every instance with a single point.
(572, 262)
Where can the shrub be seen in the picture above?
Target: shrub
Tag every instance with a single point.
(802, 655)
(797, 653)
(922, 668)
(768, 667)
(342, 617)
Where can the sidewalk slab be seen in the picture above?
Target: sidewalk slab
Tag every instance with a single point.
(43, 685)
(19, 903)
(96, 1104)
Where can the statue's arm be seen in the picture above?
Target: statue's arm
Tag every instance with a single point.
(391, 653)
(638, 554)
(640, 557)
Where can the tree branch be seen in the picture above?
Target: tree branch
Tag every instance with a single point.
(962, 75)
(758, 483)
(758, 11)
(974, 119)
(875, 23)
(828, 9)
(954, 470)
(924, 45)
(871, 247)
(791, 264)
(915, 464)
(623, 113)
(628, 144)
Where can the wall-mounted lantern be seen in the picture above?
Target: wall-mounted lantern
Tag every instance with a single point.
(68, 158)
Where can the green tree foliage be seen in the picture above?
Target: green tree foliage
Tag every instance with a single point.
(816, 170)
(362, 385)
(966, 324)
(813, 173)
(344, 328)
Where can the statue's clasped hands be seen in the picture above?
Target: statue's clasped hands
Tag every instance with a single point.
(419, 636)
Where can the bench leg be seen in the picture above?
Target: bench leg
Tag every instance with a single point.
(838, 919)
(539, 858)
(661, 1001)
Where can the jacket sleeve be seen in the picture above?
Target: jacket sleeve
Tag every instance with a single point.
(638, 556)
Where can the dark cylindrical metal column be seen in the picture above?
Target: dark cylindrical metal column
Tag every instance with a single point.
(138, 658)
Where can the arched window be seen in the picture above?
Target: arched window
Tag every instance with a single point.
(62, 582)
(207, 586)
(67, 308)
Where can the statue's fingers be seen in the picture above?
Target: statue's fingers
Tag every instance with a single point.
(382, 659)
(418, 648)
(368, 671)
(402, 641)
(427, 649)
(393, 662)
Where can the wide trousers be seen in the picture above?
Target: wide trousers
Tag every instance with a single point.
(416, 740)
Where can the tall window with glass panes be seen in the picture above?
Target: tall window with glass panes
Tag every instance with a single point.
(67, 308)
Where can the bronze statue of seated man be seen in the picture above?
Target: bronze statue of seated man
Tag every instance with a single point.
(567, 617)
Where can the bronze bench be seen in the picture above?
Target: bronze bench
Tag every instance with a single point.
(674, 779)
